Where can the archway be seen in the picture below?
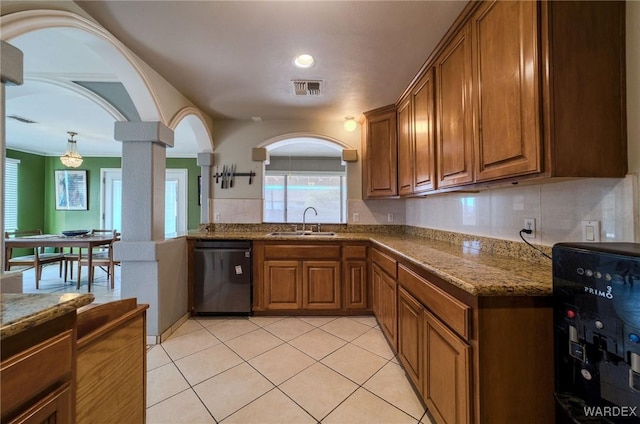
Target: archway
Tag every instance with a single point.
(112, 51)
(305, 170)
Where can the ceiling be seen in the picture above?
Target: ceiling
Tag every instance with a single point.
(232, 59)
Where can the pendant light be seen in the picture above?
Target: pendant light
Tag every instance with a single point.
(71, 158)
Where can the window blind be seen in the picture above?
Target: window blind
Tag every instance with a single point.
(11, 194)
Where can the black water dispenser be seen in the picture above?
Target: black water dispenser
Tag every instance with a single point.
(596, 291)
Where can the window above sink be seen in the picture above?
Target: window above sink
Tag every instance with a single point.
(303, 172)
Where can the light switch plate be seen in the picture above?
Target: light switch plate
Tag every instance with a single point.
(591, 231)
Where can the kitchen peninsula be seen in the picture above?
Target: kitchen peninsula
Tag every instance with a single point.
(471, 325)
(38, 336)
(68, 361)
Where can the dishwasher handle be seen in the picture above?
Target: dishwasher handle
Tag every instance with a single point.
(222, 244)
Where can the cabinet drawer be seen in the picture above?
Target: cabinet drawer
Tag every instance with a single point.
(302, 251)
(35, 370)
(351, 251)
(386, 263)
(447, 308)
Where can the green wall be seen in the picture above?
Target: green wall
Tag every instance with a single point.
(57, 221)
(36, 197)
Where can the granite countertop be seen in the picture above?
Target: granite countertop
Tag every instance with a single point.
(476, 272)
(21, 311)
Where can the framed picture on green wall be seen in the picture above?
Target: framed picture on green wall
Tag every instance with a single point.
(71, 190)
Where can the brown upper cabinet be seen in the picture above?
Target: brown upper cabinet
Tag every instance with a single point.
(506, 85)
(453, 98)
(515, 91)
(423, 125)
(380, 152)
(416, 145)
(405, 149)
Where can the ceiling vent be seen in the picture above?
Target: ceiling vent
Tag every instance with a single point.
(21, 119)
(307, 88)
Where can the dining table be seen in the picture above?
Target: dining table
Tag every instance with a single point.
(86, 241)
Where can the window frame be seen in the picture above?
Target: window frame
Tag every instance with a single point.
(287, 174)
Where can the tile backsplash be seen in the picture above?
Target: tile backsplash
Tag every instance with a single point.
(558, 209)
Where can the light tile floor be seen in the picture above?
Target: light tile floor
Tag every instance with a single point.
(267, 369)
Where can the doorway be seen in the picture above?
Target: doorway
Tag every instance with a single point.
(175, 211)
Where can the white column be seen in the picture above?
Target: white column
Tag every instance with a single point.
(143, 178)
(154, 270)
(206, 162)
(11, 73)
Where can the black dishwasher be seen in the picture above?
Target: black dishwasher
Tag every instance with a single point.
(222, 277)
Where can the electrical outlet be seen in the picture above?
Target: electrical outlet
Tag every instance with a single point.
(217, 217)
(356, 217)
(591, 231)
(530, 224)
(389, 217)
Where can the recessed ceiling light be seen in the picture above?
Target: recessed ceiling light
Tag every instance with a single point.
(304, 61)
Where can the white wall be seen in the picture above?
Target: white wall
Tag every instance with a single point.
(234, 141)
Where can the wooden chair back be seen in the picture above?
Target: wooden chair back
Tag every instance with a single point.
(37, 259)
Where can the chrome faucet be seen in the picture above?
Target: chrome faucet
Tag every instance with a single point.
(304, 216)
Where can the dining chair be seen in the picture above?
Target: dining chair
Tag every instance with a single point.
(101, 256)
(38, 259)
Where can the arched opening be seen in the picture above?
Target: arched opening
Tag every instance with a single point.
(189, 127)
(305, 170)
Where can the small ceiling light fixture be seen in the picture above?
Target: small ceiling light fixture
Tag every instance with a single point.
(303, 61)
(71, 158)
(350, 124)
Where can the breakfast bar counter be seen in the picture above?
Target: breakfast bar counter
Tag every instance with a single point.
(21, 311)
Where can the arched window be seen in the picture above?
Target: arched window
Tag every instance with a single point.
(303, 172)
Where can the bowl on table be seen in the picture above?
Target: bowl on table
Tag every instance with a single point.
(75, 233)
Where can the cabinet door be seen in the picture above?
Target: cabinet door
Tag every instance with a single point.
(354, 282)
(381, 153)
(423, 124)
(55, 408)
(410, 344)
(405, 149)
(389, 309)
(447, 373)
(376, 287)
(282, 285)
(506, 86)
(454, 117)
(321, 285)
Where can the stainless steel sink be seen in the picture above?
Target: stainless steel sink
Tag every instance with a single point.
(302, 233)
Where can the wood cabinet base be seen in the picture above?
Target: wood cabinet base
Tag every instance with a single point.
(111, 373)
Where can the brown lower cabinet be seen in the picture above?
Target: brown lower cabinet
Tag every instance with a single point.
(446, 381)
(111, 376)
(37, 376)
(411, 332)
(84, 367)
(384, 302)
(307, 277)
(471, 359)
